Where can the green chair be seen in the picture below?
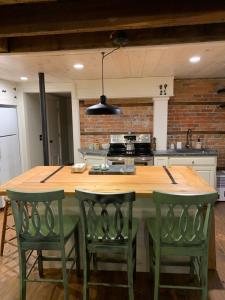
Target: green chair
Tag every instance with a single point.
(181, 228)
(42, 225)
(108, 230)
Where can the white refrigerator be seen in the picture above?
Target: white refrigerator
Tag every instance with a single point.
(10, 163)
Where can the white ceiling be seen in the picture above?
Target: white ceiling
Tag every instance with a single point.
(170, 60)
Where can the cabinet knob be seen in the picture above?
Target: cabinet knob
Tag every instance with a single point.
(193, 162)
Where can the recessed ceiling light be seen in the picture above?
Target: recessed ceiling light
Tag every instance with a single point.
(195, 59)
(78, 66)
(24, 78)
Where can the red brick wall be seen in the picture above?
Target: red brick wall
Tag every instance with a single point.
(135, 117)
(196, 106)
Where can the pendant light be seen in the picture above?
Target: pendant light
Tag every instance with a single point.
(102, 108)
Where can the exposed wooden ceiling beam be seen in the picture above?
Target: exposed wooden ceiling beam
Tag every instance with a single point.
(91, 16)
(153, 36)
(7, 2)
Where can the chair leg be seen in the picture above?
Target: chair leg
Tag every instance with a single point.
(22, 264)
(157, 276)
(40, 263)
(65, 275)
(130, 274)
(4, 227)
(151, 256)
(134, 258)
(204, 277)
(77, 250)
(86, 266)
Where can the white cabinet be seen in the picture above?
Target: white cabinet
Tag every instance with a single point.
(204, 165)
(192, 160)
(94, 159)
(208, 173)
(7, 93)
(160, 160)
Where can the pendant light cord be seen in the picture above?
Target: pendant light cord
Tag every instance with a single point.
(103, 57)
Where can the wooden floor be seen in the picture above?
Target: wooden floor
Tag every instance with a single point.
(9, 283)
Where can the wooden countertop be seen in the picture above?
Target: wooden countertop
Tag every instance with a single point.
(144, 182)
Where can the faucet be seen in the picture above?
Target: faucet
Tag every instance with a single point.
(189, 139)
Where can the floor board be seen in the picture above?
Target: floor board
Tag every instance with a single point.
(9, 283)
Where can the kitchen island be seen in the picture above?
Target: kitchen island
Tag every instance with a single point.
(145, 180)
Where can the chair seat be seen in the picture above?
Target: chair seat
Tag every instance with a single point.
(69, 224)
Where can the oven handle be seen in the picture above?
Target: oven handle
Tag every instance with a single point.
(116, 162)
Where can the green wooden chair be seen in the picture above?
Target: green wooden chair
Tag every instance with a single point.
(42, 225)
(108, 228)
(181, 228)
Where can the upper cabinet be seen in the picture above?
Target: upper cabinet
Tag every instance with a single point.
(8, 93)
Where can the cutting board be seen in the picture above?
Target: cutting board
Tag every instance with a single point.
(114, 170)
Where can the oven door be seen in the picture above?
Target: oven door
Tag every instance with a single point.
(144, 162)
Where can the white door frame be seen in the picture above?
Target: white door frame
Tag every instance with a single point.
(49, 88)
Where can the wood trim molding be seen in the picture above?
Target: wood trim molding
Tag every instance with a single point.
(120, 102)
(196, 132)
(196, 103)
(112, 132)
(137, 37)
(7, 2)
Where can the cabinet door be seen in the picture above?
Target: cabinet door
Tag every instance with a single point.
(207, 173)
(8, 121)
(160, 161)
(7, 93)
(9, 158)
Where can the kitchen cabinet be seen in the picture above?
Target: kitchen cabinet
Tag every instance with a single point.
(204, 165)
(9, 145)
(7, 93)
(161, 161)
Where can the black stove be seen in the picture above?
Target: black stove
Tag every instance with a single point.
(135, 145)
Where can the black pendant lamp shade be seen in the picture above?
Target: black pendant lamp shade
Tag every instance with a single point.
(102, 108)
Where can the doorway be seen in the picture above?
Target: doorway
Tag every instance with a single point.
(60, 132)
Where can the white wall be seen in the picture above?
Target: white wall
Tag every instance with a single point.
(91, 89)
(126, 88)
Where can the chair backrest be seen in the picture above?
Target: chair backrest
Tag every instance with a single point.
(38, 216)
(106, 217)
(183, 219)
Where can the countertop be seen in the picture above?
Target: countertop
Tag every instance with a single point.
(145, 180)
(100, 152)
(186, 152)
(182, 152)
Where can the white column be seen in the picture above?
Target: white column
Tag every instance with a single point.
(76, 124)
(160, 120)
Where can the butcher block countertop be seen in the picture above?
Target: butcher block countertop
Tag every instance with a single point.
(178, 179)
(143, 182)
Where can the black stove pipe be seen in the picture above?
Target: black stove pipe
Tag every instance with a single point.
(44, 118)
